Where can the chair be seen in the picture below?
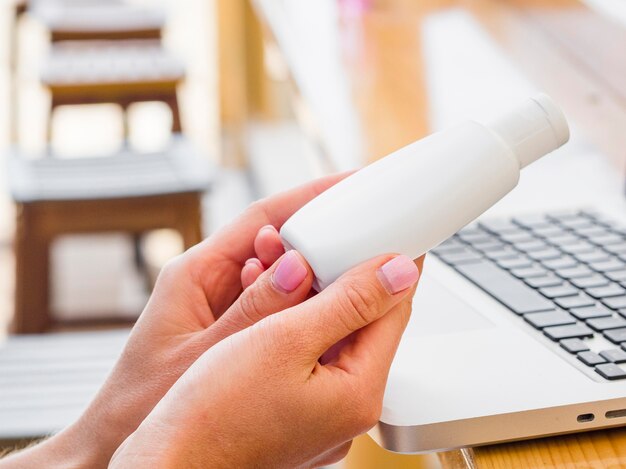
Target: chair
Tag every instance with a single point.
(126, 192)
(121, 72)
(99, 20)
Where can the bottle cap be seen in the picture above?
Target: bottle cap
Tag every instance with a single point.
(533, 129)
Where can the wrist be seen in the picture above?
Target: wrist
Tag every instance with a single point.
(66, 449)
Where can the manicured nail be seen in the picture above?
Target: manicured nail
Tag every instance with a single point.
(290, 273)
(255, 261)
(398, 274)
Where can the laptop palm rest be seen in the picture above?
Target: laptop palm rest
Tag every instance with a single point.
(438, 310)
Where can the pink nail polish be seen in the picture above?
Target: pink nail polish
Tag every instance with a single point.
(398, 274)
(290, 273)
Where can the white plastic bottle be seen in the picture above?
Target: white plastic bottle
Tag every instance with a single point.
(420, 195)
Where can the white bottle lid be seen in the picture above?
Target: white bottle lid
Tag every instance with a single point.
(535, 128)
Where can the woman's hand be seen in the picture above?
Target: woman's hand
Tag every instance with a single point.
(197, 302)
(293, 389)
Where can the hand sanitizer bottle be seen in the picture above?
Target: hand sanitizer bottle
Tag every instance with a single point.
(420, 195)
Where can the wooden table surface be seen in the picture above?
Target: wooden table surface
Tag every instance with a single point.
(374, 80)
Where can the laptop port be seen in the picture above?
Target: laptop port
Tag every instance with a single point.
(583, 418)
(615, 414)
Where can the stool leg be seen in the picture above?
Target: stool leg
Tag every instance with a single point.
(32, 289)
(125, 123)
(53, 106)
(172, 102)
(191, 222)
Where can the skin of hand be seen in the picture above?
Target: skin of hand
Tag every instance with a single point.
(293, 389)
(197, 302)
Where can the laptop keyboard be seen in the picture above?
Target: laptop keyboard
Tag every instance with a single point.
(564, 273)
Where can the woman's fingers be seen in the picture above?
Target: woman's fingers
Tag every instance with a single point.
(252, 269)
(356, 299)
(285, 284)
(218, 260)
(268, 246)
(372, 348)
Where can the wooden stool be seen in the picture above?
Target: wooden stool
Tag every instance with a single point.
(99, 20)
(125, 192)
(121, 72)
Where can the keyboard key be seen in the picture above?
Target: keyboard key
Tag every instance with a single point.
(517, 237)
(476, 237)
(505, 253)
(614, 355)
(564, 262)
(591, 231)
(597, 311)
(517, 296)
(571, 331)
(607, 266)
(490, 246)
(551, 318)
(529, 272)
(616, 302)
(559, 292)
(533, 221)
(574, 345)
(463, 257)
(540, 282)
(595, 280)
(563, 240)
(550, 232)
(576, 223)
(616, 248)
(574, 272)
(530, 246)
(603, 324)
(577, 301)
(582, 246)
(499, 226)
(471, 229)
(591, 358)
(448, 246)
(606, 239)
(617, 336)
(550, 253)
(610, 371)
(607, 291)
(617, 275)
(596, 255)
(514, 263)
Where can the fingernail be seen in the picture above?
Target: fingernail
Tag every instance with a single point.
(269, 227)
(290, 273)
(255, 261)
(398, 274)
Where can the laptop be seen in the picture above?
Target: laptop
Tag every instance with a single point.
(518, 331)
(519, 322)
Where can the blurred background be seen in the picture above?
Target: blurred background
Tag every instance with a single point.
(132, 129)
